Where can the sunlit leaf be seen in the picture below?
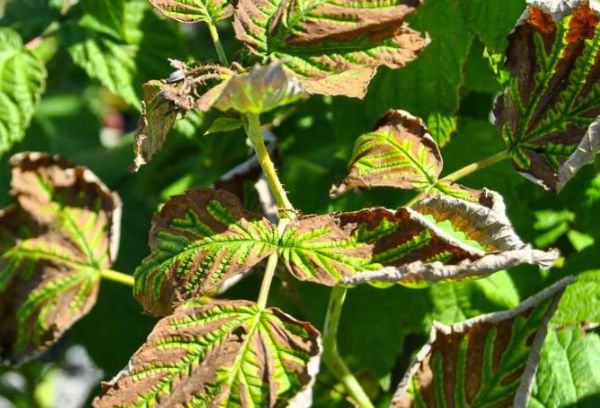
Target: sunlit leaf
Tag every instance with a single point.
(198, 242)
(489, 360)
(22, 81)
(548, 115)
(568, 373)
(407, 246)
(224, 354)
(223, 125)
(193, 11)
(53, 244)
(319, 40)
(581, 303)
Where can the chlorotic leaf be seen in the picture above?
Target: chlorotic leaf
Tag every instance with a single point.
(398, 153)
(258, 91)
(222, 354)
(54, 243)
(198, 242)
(193, 11)
(489, 360)
(548, 117)
(157, 120)
(319, 40)
(568, 373)
(407, 246)
(22, 81)
(123, 64)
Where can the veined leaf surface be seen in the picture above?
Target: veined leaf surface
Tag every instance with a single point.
(22, 81)
(489, 360)
(198, 241)
(332, 47)
(222, 354)
(193, 11)
(53, 245)
(548, 117)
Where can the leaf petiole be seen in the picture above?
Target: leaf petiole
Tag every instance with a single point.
(214, 35)
(116, 276)
(473, 167)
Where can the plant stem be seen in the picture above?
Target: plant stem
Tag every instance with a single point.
(214, 34)
(488, 161)
(265, 286)
(116, 276)
(40, 39)
(331, 356)
(254, 132)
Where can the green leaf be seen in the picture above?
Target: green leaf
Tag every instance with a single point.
(492, 21)
(399, 153)
(568, 375)
(551, 131)
(193, 11)
(317, 42)
(224, 354)
(53, 245)
(199, 241)
(429, 87)
(122, 65)
(105, 16)
(224, 124)
(581, 303)
(485, 361)
(22, 81)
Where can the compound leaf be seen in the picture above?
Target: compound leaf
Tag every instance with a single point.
(22, 81)
(198, 242)
(193, 11)
(53, 245)
(399, 153)
(222, 354)
(489, 360)
(407, 246)
(334, 48)
(548, 115)
(568, 372)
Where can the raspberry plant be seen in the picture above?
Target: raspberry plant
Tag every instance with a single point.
(216, 346)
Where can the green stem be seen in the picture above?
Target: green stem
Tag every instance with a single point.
(331, 357)
(254, 132)
(116, 276)
(473, 167)
(214, 34)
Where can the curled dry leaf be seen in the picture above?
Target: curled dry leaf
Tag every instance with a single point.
(332, 47)
(400, 153)
(198, 242)
(54, 242)
(193, 11)
(490, 360)
(548, 116)
(228, 353)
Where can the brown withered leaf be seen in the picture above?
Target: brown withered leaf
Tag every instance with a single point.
(548, 116)
(400, 153)
(319, 41)
(226, 353)
(489, 360)
(199, 241)
(405, 246)
(54, 243)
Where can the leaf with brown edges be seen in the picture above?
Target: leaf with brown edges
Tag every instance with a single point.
(333, 47)
(193, 11)
(221, 354)
(489, 360)
(548, 116)
(54, 243)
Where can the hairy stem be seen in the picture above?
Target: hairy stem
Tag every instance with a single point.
(473, 167)
(254, 132)
(116, 276)
(331, 357)
(214, 34)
